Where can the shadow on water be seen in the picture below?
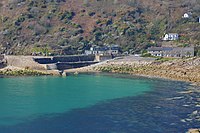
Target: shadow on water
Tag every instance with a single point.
(159, 111)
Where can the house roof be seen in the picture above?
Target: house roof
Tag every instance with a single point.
(155, 49)
(167, 48)
(184, 49)
(98, 48)
(170, 48)
(105, 48)
(172, 33)
(114, 47)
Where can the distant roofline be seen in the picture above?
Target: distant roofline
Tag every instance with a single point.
(166, 48)
(173, 33)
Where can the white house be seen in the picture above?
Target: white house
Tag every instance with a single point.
(171, 37)
(186, 15)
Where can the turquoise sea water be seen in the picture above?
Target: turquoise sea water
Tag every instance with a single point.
(97, 103)
(24, 97)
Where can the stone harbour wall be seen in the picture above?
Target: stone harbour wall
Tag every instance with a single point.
(56, 59)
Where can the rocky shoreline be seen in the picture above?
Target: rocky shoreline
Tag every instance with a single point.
(193, 131)
(177, 69)
(23, 72)
(24, 66)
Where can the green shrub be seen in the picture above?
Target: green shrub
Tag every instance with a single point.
(147, 55)
(66, 15)
(91, 13)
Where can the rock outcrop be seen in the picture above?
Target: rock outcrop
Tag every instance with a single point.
(193, 131)
(177, 69)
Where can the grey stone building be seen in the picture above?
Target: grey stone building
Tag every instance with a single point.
(171, 51)
(103, 50)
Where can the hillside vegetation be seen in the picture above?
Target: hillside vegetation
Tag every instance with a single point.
(71, 26)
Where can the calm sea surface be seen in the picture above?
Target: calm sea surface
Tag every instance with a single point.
(97, 103)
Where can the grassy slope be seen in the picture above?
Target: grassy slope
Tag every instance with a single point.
(68, 27)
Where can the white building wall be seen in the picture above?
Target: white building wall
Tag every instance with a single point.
(171, 37)
(186, 15)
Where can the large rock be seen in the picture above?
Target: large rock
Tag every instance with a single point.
(193, 131)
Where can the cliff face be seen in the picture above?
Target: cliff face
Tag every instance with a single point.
(71, 26)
